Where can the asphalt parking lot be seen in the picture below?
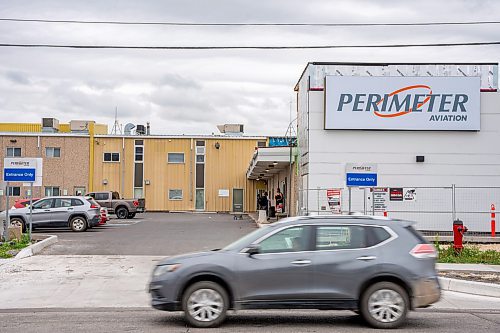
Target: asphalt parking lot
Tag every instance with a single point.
(152, 234)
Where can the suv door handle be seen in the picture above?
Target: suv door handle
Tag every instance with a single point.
(301, 262)
(70, 208)
(366, 258)
(46, 210)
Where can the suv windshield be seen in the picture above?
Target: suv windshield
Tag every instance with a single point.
(246, 240)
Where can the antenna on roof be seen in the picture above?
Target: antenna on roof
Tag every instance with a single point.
(117, 128)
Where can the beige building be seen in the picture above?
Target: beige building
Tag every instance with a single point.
(178, 173)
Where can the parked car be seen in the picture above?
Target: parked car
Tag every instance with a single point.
(378, 267)
(21, 203)
(77, 213)
(122, 208)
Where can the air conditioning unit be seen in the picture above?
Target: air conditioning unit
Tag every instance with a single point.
(231, 129)
(140, 130)
(50, 125)
(79, 126)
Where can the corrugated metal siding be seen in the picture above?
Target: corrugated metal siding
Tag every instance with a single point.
(225, 168)
(25, 128)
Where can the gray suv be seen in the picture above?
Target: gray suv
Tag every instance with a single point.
(378, 267)
(78, 213)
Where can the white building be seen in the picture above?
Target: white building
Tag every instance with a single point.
(447, 149)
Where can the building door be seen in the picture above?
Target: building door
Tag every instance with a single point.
(237, 200)
(200, 199)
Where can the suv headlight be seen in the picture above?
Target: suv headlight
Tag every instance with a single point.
(160, 270)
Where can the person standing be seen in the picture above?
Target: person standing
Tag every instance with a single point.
(264, 203)
(278, 198)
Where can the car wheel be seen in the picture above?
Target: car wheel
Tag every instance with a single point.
(131, 215)
(122, 213)
(385, 305)
(78, 223)
(205, 304)
(17, 222)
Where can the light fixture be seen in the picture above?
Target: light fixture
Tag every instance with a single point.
(104, 182)
(147, 182)
(257, 179)
(420, 159)
(217, 145)
(267, 170)
(275, 163)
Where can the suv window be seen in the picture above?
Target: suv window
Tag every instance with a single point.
(43, 204)
(337, 237)
(60, 202)
(289, 240)
(376, 235)
(76, 202)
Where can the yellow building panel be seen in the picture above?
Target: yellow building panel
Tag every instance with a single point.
(64, 128)
(18, 127)
(164, 176)
(100, 129)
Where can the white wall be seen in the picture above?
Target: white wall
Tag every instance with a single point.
(461, 158)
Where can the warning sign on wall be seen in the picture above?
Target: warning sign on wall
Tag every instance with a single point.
(410, 194)
(334, 200)
(396, 194)
(380, 195)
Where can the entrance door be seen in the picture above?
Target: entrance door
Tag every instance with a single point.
(200, 199)
(237, 200)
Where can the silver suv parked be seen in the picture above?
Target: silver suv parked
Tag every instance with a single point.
(77, 213)
(380, 268)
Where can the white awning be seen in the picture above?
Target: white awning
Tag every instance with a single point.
(267, 162)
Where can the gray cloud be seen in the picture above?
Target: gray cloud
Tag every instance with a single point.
(192, 91)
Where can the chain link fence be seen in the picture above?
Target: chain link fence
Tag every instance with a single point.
(433, 208)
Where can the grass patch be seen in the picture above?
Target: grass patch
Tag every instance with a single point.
(14, 245)
(470, 254)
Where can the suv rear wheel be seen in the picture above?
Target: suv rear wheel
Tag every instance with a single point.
(385, 305)
(122, 213)
(78, 223)
(205, 304)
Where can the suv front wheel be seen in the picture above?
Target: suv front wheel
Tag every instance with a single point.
(78, 223)
(385, 305)
(205, 304)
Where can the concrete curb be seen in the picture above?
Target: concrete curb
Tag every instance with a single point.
(470, 287)
(37, 247)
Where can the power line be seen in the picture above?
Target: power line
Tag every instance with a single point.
(251, 24)
(297, 47)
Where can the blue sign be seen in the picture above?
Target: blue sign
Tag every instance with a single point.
(361, 179)
(19, 175)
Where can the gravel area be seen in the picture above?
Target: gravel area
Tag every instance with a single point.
(488, 277)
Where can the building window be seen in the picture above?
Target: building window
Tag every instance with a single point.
(53, 152)
(111, 157)
(139, 153)
(261, 144)
(176, 158)
(13, 152)
(51, 191)
(14, 191)
(175, 194)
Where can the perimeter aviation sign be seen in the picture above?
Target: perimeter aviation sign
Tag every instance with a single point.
(402, 103)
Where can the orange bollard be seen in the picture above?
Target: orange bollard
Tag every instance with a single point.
(493, 231)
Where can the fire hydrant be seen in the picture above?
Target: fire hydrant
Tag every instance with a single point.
(458, 234)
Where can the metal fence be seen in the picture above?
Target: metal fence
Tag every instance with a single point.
(433, 208)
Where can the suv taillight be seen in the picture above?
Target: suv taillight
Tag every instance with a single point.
(422, 251)
(94, 207)
(136, 203)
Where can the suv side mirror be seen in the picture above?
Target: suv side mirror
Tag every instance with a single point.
(253, 249)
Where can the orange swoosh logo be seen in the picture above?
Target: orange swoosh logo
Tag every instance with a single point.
(397, 114)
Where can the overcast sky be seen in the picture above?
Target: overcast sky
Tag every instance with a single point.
(190, 92)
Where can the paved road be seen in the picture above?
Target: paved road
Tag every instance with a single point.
(145, 320)
(152, 234)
